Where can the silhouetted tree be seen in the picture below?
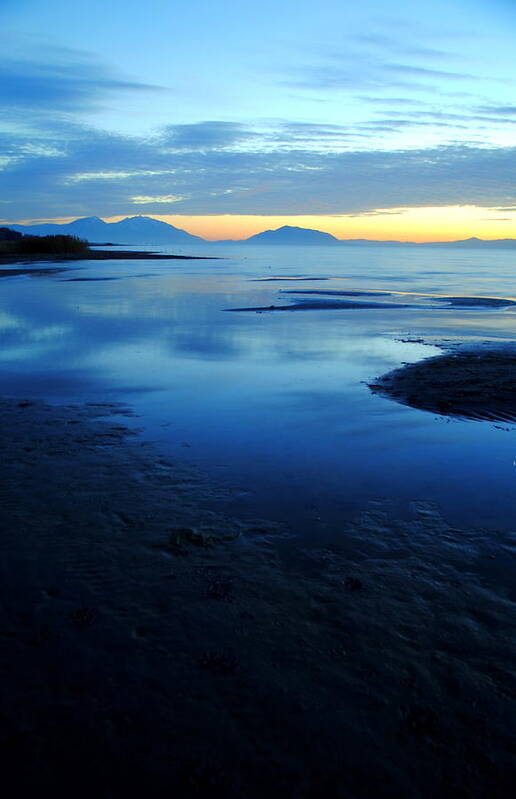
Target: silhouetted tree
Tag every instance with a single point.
(6, 234)
(52, 245)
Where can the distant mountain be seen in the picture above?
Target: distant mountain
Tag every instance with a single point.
(145, 230)
(473, 243)
(376, 243)
(132, 230)
(305, 236)
(148, 231)
(501, 244)
(292, 235)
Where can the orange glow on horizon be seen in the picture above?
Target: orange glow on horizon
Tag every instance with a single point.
(403, 224)
(447, 223)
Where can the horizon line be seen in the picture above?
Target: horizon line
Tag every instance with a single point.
(64, 221)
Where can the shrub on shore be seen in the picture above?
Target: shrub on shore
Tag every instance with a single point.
(52, 245)
(6, 234)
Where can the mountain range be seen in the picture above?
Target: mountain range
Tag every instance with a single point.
(132, 230)
(148, 231)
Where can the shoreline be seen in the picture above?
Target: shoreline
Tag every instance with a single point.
(102, 255)
(461, 384)
(153, 642)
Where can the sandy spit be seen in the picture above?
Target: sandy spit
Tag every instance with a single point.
(153, 645)
(101, 255)
(471, 385)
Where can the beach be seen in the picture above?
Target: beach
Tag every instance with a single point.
(258, 400)
(150, 642)
(95, 255)
(467, 384)
(248, 554)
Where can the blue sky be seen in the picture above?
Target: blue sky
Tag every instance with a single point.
(237, 108)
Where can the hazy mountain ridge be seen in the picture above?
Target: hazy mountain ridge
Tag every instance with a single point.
(292, 235)
(146, 230)
(131, 230)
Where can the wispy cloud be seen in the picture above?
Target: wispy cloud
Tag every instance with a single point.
(59, 80)
(159, 199)
(208, 135)
(386, 101)
(426, 72)
(305, 178)
(498, 109)
(53, 163)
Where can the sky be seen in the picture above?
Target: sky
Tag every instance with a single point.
(226, 117)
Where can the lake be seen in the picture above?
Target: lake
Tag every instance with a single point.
(275, 405)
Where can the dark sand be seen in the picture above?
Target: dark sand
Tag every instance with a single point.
(101, 255)
(322, 305)
(475, 302)
(152, 645)
(469, 385)
(452, 302)
(337, 293)
(32, 271)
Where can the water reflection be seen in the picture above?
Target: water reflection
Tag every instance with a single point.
(278, 402)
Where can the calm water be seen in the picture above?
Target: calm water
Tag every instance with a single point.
(275, 405)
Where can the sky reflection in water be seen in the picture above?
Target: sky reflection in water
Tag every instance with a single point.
(275, 404)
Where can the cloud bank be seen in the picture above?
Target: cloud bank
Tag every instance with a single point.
(218, 168)
(53, 164)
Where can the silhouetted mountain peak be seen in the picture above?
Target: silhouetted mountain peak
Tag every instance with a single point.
(146, 230)
(139, 219)
(296, 227)
(88, 220)
(290, 234)
(131, 230)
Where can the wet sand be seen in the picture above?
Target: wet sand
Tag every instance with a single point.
(32, 271)
(100, 255)
(154, 645)
(469, 385)
(322, 305)
(452, 302)
(333, 299)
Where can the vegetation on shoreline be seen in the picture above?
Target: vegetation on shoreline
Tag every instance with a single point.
(14, 243)
(17, 247)
(54, 245)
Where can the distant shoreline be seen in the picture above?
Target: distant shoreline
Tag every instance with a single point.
(101, 255)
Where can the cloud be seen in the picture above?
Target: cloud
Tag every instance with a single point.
(59, 80)
(498, 109)
(397, 120)
(205, 135)
(390, 100)
(84, 171)
(392, 43)
(159, 199)
(425, 72)
(53, 165)
(398, 59)
(381, 212)
(348, 75)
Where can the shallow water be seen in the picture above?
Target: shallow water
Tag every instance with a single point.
(276, 404)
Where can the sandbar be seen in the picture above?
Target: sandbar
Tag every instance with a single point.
(470, 385)
(101, 255)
